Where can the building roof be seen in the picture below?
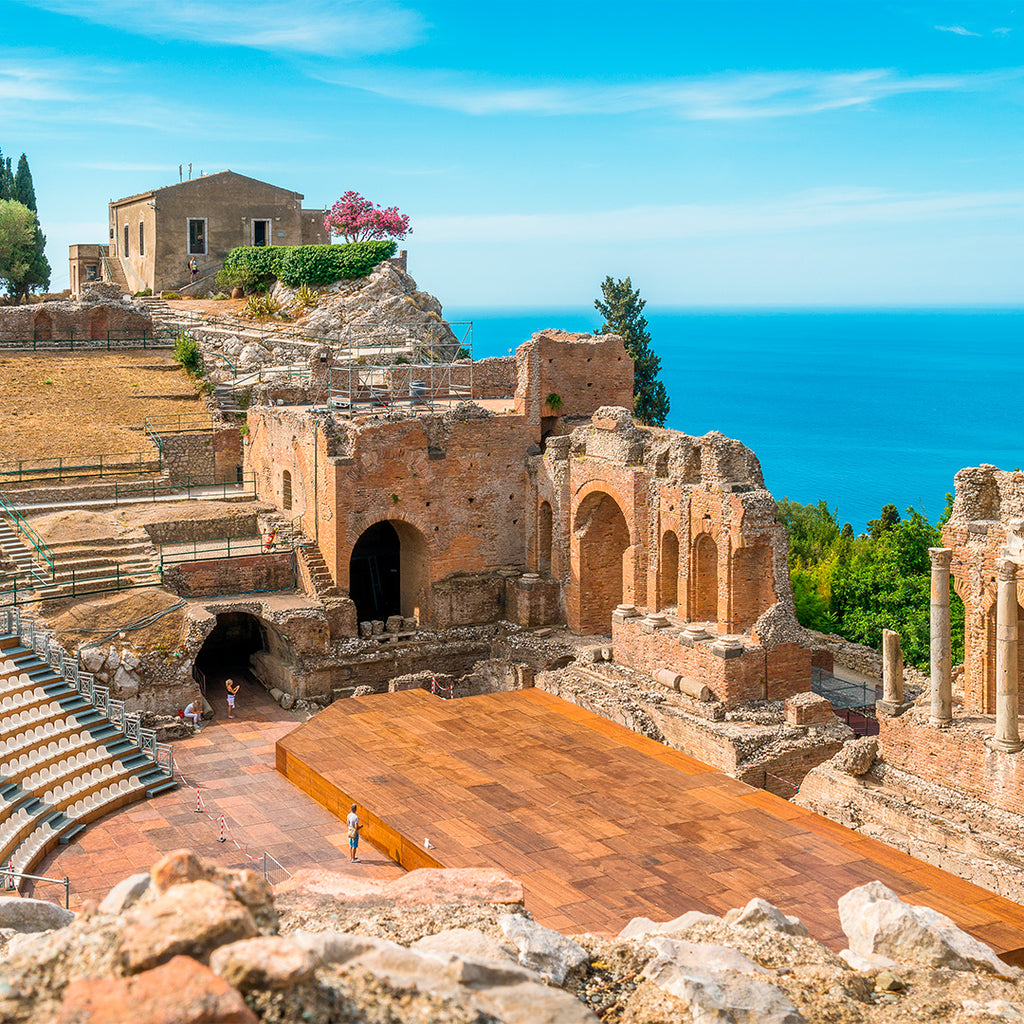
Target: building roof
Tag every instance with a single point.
(201, 178)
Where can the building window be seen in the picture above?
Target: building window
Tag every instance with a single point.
(142, 239)
(286, 490)
(197, 236)
(126, 252)
(92, 272)
(261, 232)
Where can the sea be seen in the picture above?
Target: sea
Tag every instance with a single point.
(859, 408)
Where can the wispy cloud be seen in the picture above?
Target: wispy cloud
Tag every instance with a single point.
(808, 211)
(716, 97)
(957, 30)
(334, 27)
(1001, 31)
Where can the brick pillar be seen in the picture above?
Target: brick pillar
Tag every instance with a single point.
(1007, 735)
(942, 659)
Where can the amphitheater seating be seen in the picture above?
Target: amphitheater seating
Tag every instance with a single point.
(62, 763)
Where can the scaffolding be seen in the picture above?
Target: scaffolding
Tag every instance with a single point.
(379, 367)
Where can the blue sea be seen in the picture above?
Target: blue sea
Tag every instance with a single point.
(862, 408)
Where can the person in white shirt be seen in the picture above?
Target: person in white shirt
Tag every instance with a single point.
(195, 711)
(353, 833)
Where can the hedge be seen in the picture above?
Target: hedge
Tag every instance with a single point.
(295, 265)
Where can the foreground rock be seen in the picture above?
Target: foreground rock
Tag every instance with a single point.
(192, 942)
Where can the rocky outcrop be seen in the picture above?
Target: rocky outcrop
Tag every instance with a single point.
(203, 944)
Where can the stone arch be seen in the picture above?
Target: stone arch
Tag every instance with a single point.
(99, 323)
(668, 570)
(229, 648)
(42, 325)
(389, 572)
(602, 534)
(704, 587)
(545, 533)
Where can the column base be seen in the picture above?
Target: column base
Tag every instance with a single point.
(940, 723)
(892, 708)
(1004, 746)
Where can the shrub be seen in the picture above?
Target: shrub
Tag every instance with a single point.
(251, 267)
(554, 402)
(186, 352)
(324, 264)
(220, 296)
(260, 307)
(307, 296)
(169, 295)
(144, 293)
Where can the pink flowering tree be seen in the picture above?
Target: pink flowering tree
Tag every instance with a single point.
(355, 218)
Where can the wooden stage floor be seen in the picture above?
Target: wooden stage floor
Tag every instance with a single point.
(599, 823)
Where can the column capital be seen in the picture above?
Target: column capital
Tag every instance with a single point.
(1006, 570)
(941, 557)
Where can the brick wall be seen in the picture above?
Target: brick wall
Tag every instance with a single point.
(956, 758)
(66, 319)
(250, 574)
(732, 680)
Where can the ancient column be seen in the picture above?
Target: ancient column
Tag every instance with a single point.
(892, 672)
(942, 667)
(1007, 735)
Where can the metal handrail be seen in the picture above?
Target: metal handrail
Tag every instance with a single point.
(20, 468)
(22, 526)
(284, 541)
(8, 877)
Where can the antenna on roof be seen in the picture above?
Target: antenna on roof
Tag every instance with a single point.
(189, 172)
(180, 175)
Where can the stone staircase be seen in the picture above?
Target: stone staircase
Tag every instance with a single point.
(23, 564)
(313, 567)
(68, 754)
(156, 307)
(90, 566)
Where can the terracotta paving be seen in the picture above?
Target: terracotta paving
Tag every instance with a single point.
(233, 764)
(601, 824)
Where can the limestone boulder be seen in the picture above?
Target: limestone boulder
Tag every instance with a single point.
(639, 927)
(125, 894)
(91, 659)
(877, 921)
(23, 915)
(466, 944)
(716, 984)
(549, 953)
(192, 920)
(759, 913)
(254, 355)
(857, 756)
(267, 962)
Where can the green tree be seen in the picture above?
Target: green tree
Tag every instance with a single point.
(622, 309)
(6, 178)
(22, 265)
(887, 519)
(23, 191)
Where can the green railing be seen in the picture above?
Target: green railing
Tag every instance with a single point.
(59, 469)
(152, 490)
(76, 584)
(220, 355)
(21, 524)
(111, 341)
(222, 547)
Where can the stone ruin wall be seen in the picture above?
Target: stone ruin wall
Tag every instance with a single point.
(100, 311)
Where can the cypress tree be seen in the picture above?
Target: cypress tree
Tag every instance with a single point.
(622, 310)
(23, 190)
(6, 178)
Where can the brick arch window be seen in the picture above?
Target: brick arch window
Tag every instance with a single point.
(545, 528)
(705, 579)
(286, 490)
(668, 570)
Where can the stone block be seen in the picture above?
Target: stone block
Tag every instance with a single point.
(366, 630)
(377, 627)
(393, 624)
(808, 709)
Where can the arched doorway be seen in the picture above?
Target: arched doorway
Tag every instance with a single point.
(668, 582)
(42, 326)
(603, 537)
(99, 324)
(705, 580)
(389, 572)
(230, 647)
(545, 528)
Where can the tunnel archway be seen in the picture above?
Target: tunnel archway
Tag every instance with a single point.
(603, 537)
(229, 648)
(389, 572)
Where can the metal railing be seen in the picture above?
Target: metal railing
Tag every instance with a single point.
(221, 547)
(59, 469)
(271, 865)
(77, 583)
(10, 881)
(110, 341)
(23, 527)
(152, 490)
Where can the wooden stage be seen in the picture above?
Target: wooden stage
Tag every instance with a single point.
(599, 823)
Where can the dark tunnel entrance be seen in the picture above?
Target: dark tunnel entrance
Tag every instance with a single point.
(235, 638)
(375, 580)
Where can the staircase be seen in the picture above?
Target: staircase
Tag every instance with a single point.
(113, 273)
(156, 307)
(68, 753)
(98, 564)
(313, 567)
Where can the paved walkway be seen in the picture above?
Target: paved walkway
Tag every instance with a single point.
(232, 761)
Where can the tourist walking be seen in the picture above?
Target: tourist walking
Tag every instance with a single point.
(353, 833)
(232, 688)
(193, 270)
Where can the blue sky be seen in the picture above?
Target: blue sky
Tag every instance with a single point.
(719, 153)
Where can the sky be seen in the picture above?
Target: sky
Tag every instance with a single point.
(720, 153)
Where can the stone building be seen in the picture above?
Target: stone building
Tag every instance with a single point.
(154, 234)
(549, 507)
